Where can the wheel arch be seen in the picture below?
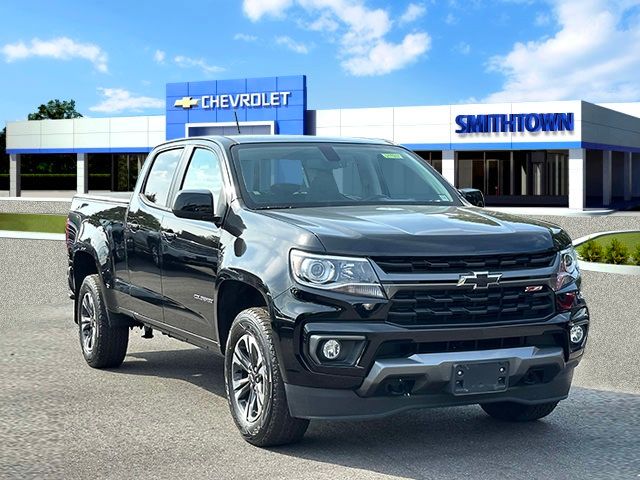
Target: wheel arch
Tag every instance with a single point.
(236, 291)
(85, 262)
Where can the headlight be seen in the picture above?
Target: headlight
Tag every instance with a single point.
(568, 271)
(343, 274)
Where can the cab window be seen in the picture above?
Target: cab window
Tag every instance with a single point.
(203, 173)
(156, 188)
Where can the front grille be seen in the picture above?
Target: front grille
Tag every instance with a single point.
(458, 306)
(436, 264)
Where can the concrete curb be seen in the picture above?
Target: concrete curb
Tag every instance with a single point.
(609, 268)
(32, 235)
(553, 211)
(591, 236)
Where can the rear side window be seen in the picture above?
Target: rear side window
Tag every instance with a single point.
(203, 172)
(156, 189)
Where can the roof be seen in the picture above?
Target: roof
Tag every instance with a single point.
(244, 139)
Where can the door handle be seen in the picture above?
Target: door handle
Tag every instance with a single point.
(169, 235)
(133, 226)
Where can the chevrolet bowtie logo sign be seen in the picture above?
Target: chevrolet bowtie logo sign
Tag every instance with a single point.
(186, 102)
(480, 280)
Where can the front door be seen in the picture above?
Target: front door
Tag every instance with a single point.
(190, 253)
(147, 209)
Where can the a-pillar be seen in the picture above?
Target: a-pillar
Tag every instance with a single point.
(449, 166)
(82, 173)
(15, 187)
(628, 176)
(577, 176)
(607, 176)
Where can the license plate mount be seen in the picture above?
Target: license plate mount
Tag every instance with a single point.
(480, 377)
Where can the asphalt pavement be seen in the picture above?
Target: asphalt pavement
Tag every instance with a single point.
(163, 414)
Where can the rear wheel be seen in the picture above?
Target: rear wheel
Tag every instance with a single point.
(518, 412)
(103, 346)
(255, 389)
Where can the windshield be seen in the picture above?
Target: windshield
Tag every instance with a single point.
(295, 175)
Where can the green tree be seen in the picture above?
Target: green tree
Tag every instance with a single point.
(55, 110)
(616, 252)
(591, 251)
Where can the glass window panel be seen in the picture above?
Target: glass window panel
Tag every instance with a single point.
(203, 172)
(158, 183)
(301, 175)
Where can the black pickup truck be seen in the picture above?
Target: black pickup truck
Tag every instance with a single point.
(340, 278)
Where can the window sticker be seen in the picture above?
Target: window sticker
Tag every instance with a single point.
(392, 155)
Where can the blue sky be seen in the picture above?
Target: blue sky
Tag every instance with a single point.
(115, 57)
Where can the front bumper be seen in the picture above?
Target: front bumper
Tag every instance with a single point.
(431, 378)
(325, 404)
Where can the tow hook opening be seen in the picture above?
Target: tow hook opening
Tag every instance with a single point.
(397, 387)
(538, 375)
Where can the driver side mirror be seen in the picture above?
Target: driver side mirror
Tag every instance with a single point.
(195, 205)
(473, 196)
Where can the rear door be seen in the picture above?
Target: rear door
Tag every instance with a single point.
(144, 219)
(191, 250)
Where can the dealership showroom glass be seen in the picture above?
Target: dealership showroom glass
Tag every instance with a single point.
(573, 154)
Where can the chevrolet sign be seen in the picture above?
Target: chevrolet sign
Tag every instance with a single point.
(271, 99)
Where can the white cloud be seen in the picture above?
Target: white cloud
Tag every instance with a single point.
(116, 100)
(387, 57)
(593, 56)
(324, 23)
(61, 48)
(413, 12)
(292, 45)
(245, 37)
(159, 56)
(463, 47)
(188, 62)
(450, 19)
(360, 32)
(256, 9)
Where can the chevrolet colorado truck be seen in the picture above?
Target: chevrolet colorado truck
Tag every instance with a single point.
(339, 278)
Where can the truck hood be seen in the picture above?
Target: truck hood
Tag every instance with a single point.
(422, 230)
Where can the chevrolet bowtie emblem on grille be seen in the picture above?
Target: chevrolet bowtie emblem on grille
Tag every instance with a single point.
(480, 280)
(186, 102)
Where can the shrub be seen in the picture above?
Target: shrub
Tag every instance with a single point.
(636, 255)
(616, 252)
(591, 251)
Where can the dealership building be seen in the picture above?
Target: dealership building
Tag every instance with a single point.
(571, 154)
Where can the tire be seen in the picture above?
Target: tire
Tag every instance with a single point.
(102, 346)
(255, 390)
(518, 412)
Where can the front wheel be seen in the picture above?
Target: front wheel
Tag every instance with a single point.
(255, 389)
(518, 412)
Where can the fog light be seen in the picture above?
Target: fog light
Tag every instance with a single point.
(331, 349)
(576, 334)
